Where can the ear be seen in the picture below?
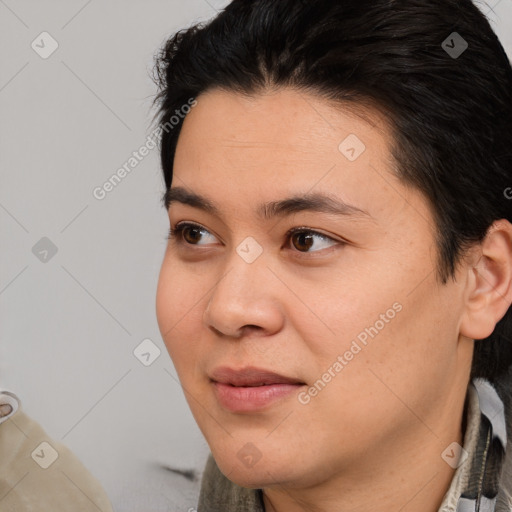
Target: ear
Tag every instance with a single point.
(489, 283)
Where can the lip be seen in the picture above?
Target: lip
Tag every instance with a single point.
(250, 388)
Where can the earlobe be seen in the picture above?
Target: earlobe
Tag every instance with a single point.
(489, 283)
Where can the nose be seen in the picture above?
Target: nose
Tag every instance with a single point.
(245, 300)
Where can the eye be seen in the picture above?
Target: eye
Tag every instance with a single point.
(188, 233)
(303, 239)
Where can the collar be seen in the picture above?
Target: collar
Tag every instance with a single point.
(475, 486)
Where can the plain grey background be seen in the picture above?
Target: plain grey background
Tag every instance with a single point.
(71, 319)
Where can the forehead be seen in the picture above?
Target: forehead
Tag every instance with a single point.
(298, 123)
(283, 143)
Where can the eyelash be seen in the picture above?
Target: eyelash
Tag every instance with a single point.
(176, 234)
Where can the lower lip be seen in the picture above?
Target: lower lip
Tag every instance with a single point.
(245, 399)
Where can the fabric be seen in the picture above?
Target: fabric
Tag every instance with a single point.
(476, 483)
(38, 474)
(481, 483)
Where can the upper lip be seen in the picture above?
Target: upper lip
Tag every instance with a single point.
(250, 376)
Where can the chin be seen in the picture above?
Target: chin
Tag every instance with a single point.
(263, 473)
(250, 478)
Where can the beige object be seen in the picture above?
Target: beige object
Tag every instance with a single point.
(38, 474)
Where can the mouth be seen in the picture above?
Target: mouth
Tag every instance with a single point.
(251, 389)
(250, 377)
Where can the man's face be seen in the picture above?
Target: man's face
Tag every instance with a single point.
(347, 311)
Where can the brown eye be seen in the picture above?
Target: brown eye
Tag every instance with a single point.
(186, 233)
(192, 234)
(304, 239)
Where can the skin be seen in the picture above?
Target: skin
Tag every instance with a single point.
(372, 439)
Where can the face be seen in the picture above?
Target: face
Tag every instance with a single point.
(310, 334)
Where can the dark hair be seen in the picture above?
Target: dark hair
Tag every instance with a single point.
(450, 113)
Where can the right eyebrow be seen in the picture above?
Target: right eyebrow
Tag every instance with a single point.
(184, 196)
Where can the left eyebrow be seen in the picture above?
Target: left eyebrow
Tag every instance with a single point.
(316, 202)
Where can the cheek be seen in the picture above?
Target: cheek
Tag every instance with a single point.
(351, 306)
(178, 308)
(404, 347)
(383, 369)
(398, 322)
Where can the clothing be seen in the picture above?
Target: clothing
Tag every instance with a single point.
(38, 474)
(482, 483)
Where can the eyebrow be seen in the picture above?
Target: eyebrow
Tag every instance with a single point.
(316, 202)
